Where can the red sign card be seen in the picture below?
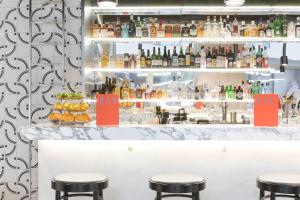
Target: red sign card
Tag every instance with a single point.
(107, 110)
(266, 110)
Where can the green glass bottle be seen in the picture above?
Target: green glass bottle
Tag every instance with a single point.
(277, 26)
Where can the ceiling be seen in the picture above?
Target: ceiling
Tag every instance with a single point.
(201, 2)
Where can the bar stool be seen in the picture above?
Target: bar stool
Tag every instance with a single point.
(177, 185)
(79, 184)
(279, 185)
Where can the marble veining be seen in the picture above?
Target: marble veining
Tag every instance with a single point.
(205, 132)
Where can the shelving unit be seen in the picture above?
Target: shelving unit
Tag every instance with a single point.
(178, 101)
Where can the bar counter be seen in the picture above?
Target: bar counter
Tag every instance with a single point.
(174, 132)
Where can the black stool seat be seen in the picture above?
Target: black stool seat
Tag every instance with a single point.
(79, 183)
(177, 185)
(279, 185)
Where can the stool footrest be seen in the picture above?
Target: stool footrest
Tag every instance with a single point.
(176, 195)
(280, 195)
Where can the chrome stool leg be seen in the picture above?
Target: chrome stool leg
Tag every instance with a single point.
(158, 196)
(273, 196)
(66, 196)
(96, 195)
(196, 196)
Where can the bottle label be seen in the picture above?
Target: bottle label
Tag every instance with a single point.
(239, 95)
(193, 32)
(298, 32)
(269, 33)
(138, 32)
(181, 61)
(187, 60)
(165, 63)
(198, 61)
(175, 61)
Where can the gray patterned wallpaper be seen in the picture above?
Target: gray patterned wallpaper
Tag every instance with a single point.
(47, 74)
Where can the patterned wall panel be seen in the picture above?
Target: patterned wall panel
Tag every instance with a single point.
(47, 75)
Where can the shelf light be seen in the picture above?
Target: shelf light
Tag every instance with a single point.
(107, 3)
(234, 2)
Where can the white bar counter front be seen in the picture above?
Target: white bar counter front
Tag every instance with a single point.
(230, 157)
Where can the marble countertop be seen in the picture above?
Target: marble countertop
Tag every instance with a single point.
(177, 132)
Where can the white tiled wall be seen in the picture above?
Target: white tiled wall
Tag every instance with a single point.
(14, 83)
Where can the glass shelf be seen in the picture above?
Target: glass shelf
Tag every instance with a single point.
(178, 101)
(197, 10)
(238, 40)
(200, 70)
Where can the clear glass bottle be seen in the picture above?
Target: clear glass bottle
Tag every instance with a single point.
(193, 29)
(103, 31)
(145, 30)
(269, 29)
(110, 31)
(215, 28)
(221, 33)
(208, 28)
(138, 28)
(143, 59)
(242, 29)
(202, 57)
(284, 26)
(235, 27)
(291, 30)
(209, 59)
(253, 29)
(297, 28)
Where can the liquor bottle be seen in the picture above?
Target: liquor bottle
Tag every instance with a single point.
(197, 93)
(269, 30)
(126, 60)
(238, 59)
(192, 55)
(117, 89)
(225, 60)
(103, 31)
(197, 60)
(253, 30)
(235, 27)
(249, 59)
(277, 27)
(177, 30)
(118, 28)
(185, 31)
(207, 28)
(181, 58)
(297, 28)
(94, 92)
(132, 61)
(193, 29)
(242, 29)
(220, 58)
(168, 30)
(265, 58)
(208, 59)
(239, 93)
(104, 60)
(160, 30)
(143, 59)
(95, 29)
(169, 59)
(202, 58)
(228, 29)
(145, 30)
(215, 28)
(259, 58)
(110, 31)
(125, 90)
(153, 31)
(291, 30)
(214, 58)
(221, 28)
(261, 30)
(139, 92)
(187, 57)
(230, 58)
(159, 58)
(131, 29)
(165, 58)
(153, 59)
(284, 26)
(125, 33)
(200, 29)
(138, 28)
(175, 62)
(148, 59)
(222, 93)
(230, 92)
(253, 57)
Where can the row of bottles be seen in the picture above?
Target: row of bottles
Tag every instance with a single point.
(276, 26)
(127, 89)
(247, 56)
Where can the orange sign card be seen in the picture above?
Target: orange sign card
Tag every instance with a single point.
(266, 110)
(107, 110)
(199, 105)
